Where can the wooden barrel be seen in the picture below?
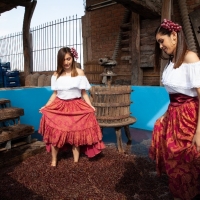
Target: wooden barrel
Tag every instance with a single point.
(112, 103)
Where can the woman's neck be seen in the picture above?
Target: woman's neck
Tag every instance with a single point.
(67, 71)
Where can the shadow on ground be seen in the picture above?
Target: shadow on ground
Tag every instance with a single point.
(108, 176)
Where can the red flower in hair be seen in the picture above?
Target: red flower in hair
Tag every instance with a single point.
(74, 53)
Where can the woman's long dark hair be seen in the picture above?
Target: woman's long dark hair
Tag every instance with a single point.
(181, 48)
(60, 59)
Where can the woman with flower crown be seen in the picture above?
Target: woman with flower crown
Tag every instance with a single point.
(176, 136)
(68, 118)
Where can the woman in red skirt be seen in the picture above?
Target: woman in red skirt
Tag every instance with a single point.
(68, 118)
(176, 136)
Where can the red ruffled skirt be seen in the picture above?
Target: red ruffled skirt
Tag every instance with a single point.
(71, 122)
(171, 146)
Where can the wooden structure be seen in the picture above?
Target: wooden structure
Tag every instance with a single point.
(194, 16)
(112, 104)
(29, 5)
(128, 35)
(133, 50)
(146, 9)
(12, 133)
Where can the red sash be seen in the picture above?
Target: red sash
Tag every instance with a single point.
(177, 99)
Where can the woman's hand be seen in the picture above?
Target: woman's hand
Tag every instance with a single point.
(162, 117)
(196, 141)
(40, 110)
(93, 108)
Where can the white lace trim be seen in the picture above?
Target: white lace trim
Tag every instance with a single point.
(68, 82)
(187, 76)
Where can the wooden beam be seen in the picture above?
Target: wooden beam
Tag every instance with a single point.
(16, 2)
(26, 37)
(166, 9)
(194, 17)
(6, 5)
(145, 9)
(137, 76)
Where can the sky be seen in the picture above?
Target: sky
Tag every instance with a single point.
(45, 11)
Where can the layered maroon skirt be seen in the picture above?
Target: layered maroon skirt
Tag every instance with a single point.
(171, 146)
(71, 122)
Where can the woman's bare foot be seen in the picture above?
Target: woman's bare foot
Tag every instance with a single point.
(54, 153)
(53, 163)
(76, 152)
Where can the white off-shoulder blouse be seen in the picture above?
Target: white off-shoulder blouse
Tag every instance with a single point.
(182, 80)
(68, 87)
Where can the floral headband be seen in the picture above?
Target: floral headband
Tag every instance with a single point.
(171, 26)
(74, 53)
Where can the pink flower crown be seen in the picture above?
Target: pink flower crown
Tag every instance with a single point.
(171, 26)
(74, 53)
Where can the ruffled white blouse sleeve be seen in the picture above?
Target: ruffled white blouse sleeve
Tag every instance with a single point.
(183, 79)
(68, 82)
(68, 87)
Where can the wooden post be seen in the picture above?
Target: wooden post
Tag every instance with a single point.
(26, 37)
(166, 13)
(128, 134)
(31, 52)
(166, 9)
(137, 74)
(119, 139)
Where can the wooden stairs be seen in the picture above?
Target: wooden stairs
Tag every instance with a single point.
(16, 143)
(124, 52)
(126, 42)
(12, 133)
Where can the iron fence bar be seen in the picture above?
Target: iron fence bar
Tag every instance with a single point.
(43, 34)
(66, 34)
(60, 35)
(76, 33)
(73, 28)
(80, 50)
(69, 31)
(63, 32)
(52, 48)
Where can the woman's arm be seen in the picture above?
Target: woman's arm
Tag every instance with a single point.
(196, 139)
(163, 116)
(192, 57)
(86, 98)
(52, 98)
(83, 92)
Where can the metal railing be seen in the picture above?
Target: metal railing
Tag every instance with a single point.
(46, 40)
